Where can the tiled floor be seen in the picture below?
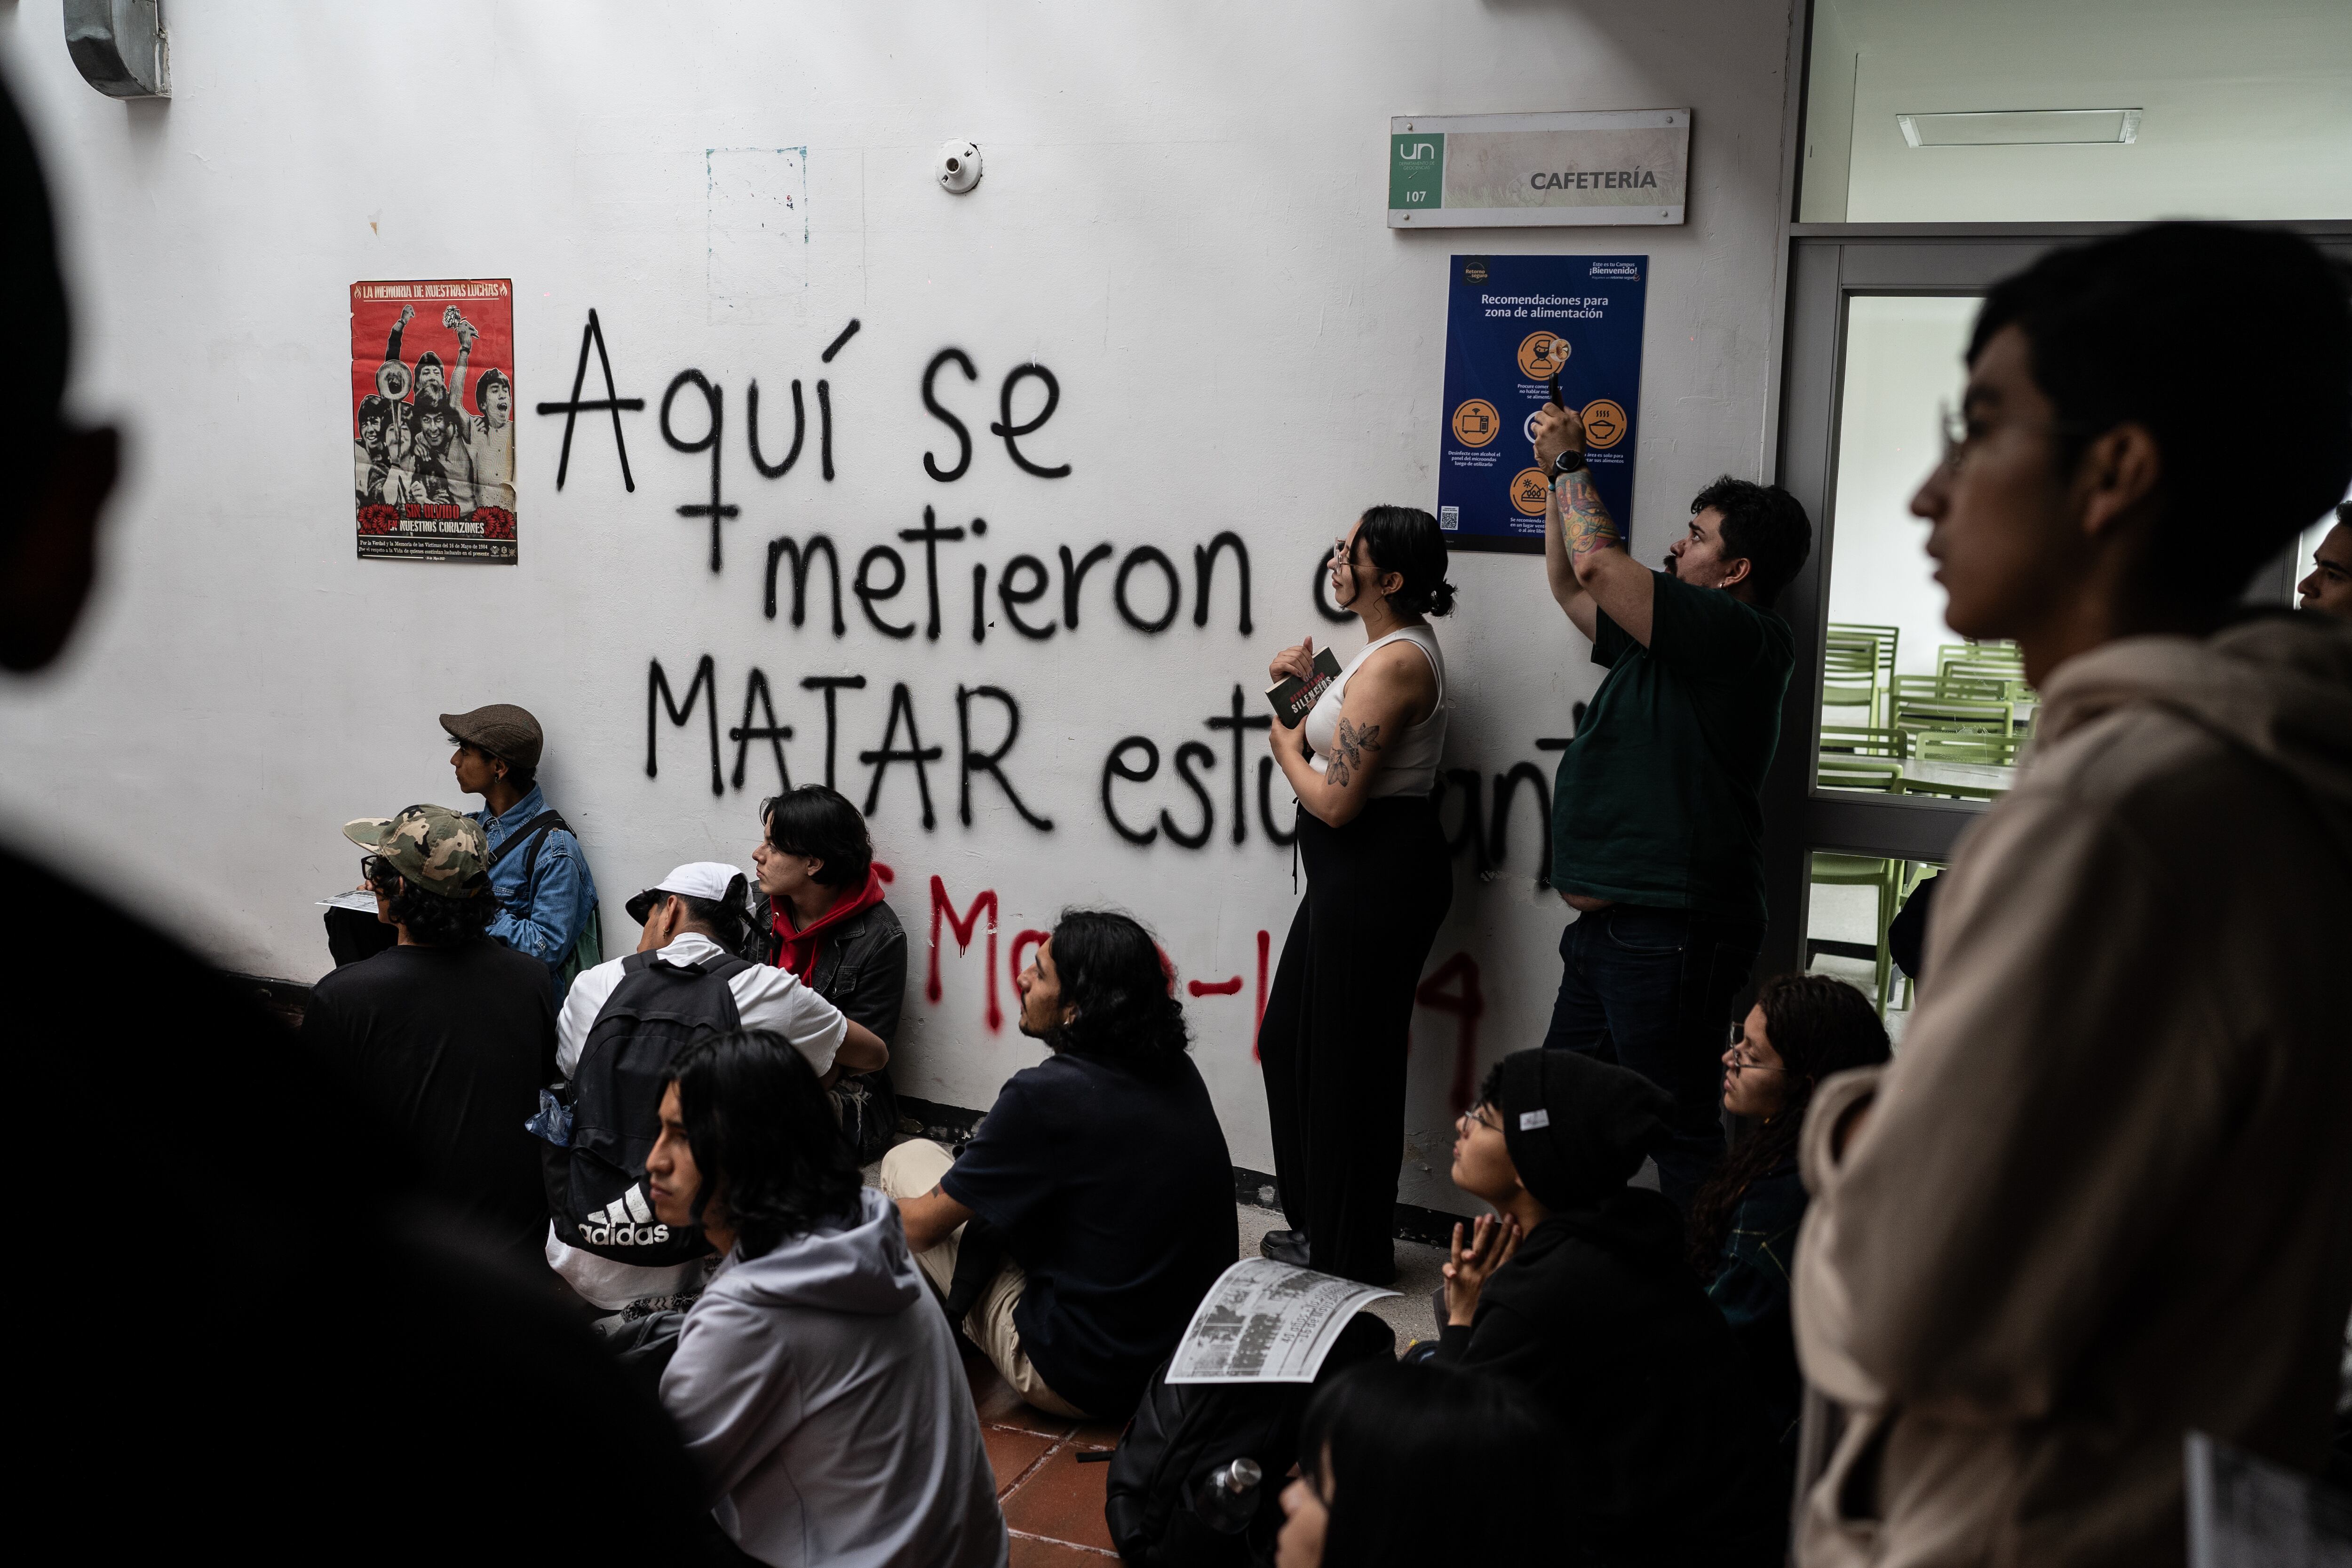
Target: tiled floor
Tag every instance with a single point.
(1053, 1504)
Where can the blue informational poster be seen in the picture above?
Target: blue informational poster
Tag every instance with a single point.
(1510, 322)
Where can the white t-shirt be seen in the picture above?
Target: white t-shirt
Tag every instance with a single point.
(767, 999)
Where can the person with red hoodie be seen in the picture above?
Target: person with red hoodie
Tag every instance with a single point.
(819, 913)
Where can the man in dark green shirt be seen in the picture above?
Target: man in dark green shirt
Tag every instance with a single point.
(1657, 824)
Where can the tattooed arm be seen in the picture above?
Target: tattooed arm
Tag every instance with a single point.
(930, 1218)
(1585, 560)
(1393, 688)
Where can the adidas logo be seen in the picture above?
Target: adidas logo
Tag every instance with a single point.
(626, 1222)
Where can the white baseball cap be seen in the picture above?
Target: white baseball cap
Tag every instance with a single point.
(714, 880)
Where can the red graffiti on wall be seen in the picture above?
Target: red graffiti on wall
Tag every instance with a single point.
(1265, 938)
(1214, 988)
(1467, 1003)
(964, 929)
(1021, 945)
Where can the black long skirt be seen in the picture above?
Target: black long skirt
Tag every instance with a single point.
(1333, 1044)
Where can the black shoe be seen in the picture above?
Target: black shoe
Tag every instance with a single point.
(1284, 1247)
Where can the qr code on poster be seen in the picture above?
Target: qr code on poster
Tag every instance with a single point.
(1450, 518)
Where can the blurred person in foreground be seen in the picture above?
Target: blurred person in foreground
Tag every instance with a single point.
(307, 1371)
(2103, 1196)
(1415, 1466)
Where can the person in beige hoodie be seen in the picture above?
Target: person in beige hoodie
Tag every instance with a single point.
(2103, 1195)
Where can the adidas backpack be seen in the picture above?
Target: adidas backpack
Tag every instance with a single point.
(596, 1184)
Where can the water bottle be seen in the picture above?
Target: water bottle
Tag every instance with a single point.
(1228, 1496)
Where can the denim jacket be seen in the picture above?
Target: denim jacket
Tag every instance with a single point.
(546, 919)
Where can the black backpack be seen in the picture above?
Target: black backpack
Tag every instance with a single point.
(1182, 1431)
(596, 1184)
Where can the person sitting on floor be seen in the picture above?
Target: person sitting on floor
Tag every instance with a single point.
(1578, 1293)
(1103, 1171)
(448, 1033)
(813, 1381)
(1413, 1465)
(1743, 1224)
(819, 914)
(618, 1026)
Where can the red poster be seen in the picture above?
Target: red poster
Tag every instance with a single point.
(433, 407)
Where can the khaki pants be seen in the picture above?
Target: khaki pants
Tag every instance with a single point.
(912, 1169)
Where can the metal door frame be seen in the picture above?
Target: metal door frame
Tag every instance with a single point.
(1827, 264)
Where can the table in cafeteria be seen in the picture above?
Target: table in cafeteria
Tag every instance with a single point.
(1971, 781)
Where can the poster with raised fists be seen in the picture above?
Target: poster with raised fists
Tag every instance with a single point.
(433, 405)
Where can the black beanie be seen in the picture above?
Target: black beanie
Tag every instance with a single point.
(1577, 1128)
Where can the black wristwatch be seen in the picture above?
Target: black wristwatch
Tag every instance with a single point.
(1567, 463)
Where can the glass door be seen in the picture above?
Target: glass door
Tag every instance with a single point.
(1897, 732)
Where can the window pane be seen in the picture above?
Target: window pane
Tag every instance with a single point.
(1906, 707)
(2057, 110)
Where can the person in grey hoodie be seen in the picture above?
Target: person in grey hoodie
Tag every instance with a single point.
(814, 1381)
(2102, 1196)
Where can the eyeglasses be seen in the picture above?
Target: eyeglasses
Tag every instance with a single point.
(1476, 1116)
(377, 872)
(1959, 440)
(1743, 1062)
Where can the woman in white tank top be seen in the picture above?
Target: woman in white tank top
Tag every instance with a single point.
(1379, 883)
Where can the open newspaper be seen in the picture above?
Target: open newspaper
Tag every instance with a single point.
(1265, 1322)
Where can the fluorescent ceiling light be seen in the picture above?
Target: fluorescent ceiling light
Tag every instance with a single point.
(2022, 128)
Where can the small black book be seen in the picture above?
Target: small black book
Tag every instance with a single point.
(1294, 699)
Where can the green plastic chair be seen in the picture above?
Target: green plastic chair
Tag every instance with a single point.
(1863, 740)
(1831, 869)
(1990, 715)
(1882, 640)
(1967, 746)
(1850, 678)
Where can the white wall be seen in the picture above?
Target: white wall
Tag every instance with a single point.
(1903, 360)
(2248, 108)
(1181, 216)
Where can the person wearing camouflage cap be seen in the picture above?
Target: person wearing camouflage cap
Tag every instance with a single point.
(432, 848)
(449, 1034)
(535, 865)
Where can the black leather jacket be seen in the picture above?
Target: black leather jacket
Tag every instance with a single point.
(861, 969)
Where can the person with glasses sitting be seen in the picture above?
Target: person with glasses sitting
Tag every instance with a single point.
(448, 1033)
(1743, 1225)
(1577, 1291)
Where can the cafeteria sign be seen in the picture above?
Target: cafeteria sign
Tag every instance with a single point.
(1527, 170)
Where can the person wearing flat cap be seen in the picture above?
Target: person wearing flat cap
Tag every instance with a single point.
(546, 897)
(688, 970)
(449, 1034)
(1577, 1291)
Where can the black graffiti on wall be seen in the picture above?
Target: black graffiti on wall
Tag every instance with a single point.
(1146, 589)
(1200, 776)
